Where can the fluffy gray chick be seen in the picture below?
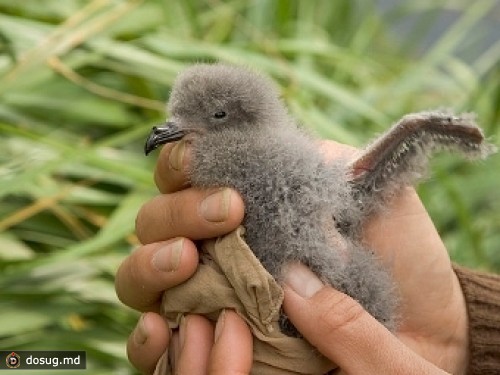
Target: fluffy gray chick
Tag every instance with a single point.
(299, 207)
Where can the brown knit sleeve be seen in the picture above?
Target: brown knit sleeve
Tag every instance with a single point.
(482, 295)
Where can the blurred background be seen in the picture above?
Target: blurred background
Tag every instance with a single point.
(82, 82)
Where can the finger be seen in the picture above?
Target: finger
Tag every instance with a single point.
(152, 269)
(196, 336)
(232, 350)
(170, 172)
(148, 342)
(192, 213)
(343, 331)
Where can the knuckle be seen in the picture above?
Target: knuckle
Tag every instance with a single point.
(137, 285)
(223, 370)
(140, 223)
(170, 212)
(167, 178)
(340, 313)
(159, 180)
(159, 218)
(128, 274)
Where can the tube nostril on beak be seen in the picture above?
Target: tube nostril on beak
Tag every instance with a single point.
(159, 135)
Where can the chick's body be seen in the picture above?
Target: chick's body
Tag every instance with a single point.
(298, 206)
(294, 200)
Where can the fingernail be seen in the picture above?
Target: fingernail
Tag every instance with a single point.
(182, 331)
(219, 326)
(215, 207)
(168, 257)
(176, 157)
(140, 332)
(302, 280)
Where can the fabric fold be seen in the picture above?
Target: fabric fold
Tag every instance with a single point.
(229, 276)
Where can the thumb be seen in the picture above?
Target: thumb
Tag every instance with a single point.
(343, 331)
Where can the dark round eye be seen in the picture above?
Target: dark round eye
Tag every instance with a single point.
(219, 114)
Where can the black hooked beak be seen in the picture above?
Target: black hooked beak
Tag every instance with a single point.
(168, 132)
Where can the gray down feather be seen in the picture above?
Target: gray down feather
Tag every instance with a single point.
(298, 206)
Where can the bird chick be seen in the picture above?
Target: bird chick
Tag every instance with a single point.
(300, 208)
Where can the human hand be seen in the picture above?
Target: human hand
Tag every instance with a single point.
(432, 306)
(195, 348)
(344, 332)
(167, 226)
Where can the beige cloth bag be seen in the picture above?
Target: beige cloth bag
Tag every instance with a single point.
(230, 276)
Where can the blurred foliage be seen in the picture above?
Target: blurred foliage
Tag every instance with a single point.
(82, 82)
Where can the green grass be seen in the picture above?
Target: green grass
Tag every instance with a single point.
(82, 82)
